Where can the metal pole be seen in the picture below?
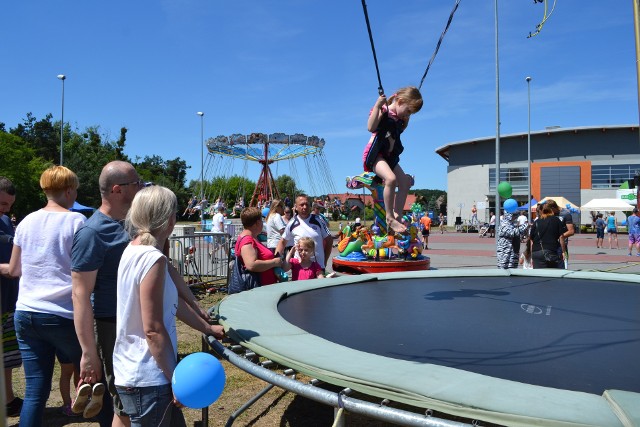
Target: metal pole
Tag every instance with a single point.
(63, 78)
(636, 26)
(201, 114)
(528, 79)
(497, 212)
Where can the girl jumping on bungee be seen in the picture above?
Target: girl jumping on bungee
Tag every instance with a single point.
(387, 120)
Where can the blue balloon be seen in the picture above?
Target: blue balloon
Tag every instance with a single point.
(198, 380)
(510, 205)
(265, 212)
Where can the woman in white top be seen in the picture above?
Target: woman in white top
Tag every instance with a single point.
(145, 352)
(275, 224)
(44, 310)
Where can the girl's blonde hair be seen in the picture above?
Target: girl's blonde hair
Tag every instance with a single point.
(409, 95)
(307, 242)
(151, 209)
(57, 179)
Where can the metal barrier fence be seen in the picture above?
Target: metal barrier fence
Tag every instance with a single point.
(202, 258)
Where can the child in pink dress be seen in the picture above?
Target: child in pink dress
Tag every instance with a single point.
(303, 268)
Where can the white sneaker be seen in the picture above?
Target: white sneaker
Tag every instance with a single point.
(95, 404)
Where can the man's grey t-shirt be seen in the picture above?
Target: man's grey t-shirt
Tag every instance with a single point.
(98, 245)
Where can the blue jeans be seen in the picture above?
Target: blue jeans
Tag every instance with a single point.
(40, 336)
(150, 406)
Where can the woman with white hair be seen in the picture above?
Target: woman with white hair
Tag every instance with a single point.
(145, 353)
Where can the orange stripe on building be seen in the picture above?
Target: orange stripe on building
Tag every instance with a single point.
(536, 173)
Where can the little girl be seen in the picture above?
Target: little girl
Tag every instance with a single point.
(304, 268)
(525, 257)
(387, 120)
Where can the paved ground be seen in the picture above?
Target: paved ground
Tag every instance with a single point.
(468, 250)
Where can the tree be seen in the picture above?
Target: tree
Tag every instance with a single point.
(286, 186)
(40, 135)
(431, 199)
(21, 165)
(86, 154)
(119, 144)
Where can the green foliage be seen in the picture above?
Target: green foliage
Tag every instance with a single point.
(168, 173)
(21, 165)
(286, 186)
(34, 144)
(40, 135)
(86, 155)
(433, 200)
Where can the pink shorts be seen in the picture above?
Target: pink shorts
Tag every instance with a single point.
(634, 238)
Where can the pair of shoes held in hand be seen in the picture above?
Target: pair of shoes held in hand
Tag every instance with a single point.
(88, 400)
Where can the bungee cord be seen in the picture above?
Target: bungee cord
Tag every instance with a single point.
(435, 52)
(544, 18)
(433, 57)
(373, 48)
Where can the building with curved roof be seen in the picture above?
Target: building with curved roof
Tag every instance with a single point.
(579, 163)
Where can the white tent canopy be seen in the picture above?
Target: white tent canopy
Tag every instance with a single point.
(607, 205)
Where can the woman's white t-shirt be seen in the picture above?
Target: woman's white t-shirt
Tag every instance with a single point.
(275, 223)
(45, 239)
(133, 364)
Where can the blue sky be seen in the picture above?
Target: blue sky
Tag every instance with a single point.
(306, 66)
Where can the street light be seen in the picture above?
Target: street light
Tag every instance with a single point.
(201, 114)
(528, 79)
(63, 78)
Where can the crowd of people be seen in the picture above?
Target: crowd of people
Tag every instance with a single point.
(99, 295)
(299, 243)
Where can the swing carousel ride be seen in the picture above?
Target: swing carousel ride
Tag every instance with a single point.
(266, 150)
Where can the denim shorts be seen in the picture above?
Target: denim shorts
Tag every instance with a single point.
(151, 406)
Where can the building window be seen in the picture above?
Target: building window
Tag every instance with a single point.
(517, 177)
(612, 176)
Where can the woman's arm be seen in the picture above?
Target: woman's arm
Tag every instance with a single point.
(185, 294)
(194, 320)
(252, 263)
(15, 264)
(152, 308)
(376, 114)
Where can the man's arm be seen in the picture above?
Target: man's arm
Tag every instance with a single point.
(328, 245)
(83, 283)
(571, 230)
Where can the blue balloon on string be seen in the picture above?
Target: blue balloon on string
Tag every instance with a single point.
(510, 206)
(198, 380)
(265, 212)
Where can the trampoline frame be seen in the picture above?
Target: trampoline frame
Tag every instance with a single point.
(339, 400)
(460, 393)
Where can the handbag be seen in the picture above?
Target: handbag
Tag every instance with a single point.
(549, 255)
(242, 279)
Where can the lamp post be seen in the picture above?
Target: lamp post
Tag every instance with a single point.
(63, 78)
(528, 79)
(201, 114)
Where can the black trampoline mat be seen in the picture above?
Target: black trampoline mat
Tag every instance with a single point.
(580, 335)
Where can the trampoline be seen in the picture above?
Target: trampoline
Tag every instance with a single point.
(510, 347)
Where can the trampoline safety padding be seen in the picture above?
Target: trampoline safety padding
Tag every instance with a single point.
(512, 347)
